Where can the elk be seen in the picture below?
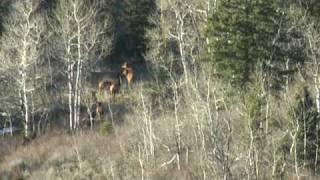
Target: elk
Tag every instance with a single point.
(111, 86)
(99, 109)
(128, 72)
(101, 86)
(114, 88)
(96, 110)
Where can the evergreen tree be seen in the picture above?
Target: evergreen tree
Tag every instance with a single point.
(131, 20)
(230, 30)
(249, 34)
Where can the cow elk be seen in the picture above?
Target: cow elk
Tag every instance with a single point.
(99, 110)
(111, 87)
(128, 72)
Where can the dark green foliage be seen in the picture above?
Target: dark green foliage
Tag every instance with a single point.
(289, 49)
(229, 34)
(131, 20)
(4, 5)
(239, 33)
(306, 115)
(248, 34)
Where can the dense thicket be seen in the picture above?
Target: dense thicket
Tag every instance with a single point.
(307, 118)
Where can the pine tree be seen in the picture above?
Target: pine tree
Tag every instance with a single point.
(249, 34)
(131, 19)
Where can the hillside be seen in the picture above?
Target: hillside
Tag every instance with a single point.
(159, 89)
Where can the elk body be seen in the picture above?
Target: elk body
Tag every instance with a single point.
(111, 87)
(97, 107)
(111, 83)
(99, 110)
(128, 72)
(114, 88)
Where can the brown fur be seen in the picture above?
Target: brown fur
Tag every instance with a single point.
(110, 86)
(101, 86)
(128, 72)
(114, 88)
(99, 110)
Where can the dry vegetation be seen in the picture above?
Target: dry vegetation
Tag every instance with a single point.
(217, 93)
(195, 134)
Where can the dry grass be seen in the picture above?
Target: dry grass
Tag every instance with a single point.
(57, 153)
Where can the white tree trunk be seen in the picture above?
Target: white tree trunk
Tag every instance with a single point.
(26, 106)
(21, 44)
(79, 72)
(180, 24)
(287, 76)
(83, 40)
(316, 65)
(70, 94)
(178, 124)
(317, 97)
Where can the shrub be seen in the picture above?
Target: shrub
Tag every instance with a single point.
(305, 115)
(106, 128)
